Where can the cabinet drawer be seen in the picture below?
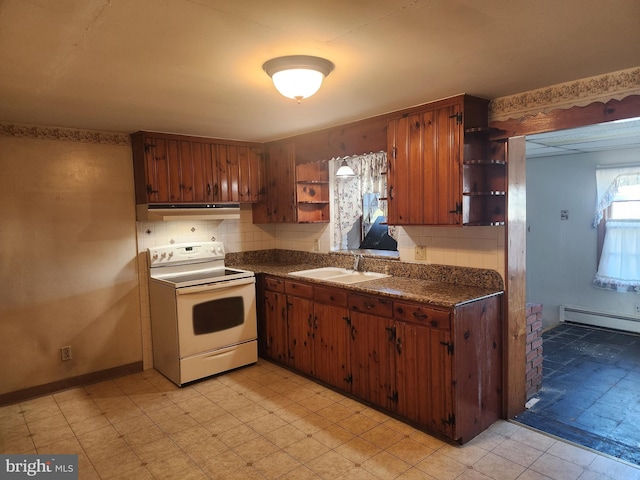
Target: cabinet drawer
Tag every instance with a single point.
(275, 284)
(332, 296)
(299, 289)
(381, 307)
(409, 312)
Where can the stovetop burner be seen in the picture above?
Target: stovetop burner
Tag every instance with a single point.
(184, 265)
(207, 276)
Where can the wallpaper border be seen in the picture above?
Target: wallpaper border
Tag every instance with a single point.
(602, 88)
(63, 134)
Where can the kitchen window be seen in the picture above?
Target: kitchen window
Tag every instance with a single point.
(360, 213)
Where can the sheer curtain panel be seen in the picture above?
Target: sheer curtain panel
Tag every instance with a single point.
(619, 267)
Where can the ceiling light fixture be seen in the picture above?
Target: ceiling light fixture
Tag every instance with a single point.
(298, 76)
(345, 170)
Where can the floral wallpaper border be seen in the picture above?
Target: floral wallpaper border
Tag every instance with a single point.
(615, 85)
(64, 134)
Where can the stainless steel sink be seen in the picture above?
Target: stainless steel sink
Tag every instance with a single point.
(338, 275)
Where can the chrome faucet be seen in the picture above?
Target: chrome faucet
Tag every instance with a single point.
(357, 258)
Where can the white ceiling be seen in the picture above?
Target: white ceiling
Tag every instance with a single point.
(195, 66)
(594, 138)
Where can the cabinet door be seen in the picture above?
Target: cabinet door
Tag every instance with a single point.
(424, 381)
(448, 162)
(156, 170)
(331, 345)
(251, 176)
(412, 179)
(275, 326)
(228, 173)
(279, 206)
(199, 154)
(300, 333)
(424, 167)
(372, 359)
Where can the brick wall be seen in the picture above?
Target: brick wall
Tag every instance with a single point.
(534, 349)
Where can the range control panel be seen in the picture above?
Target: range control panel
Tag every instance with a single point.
(183, 253)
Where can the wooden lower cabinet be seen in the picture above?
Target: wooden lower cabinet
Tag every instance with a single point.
(331, 337)
(422, 361)
(275, 326)
(438, 368)
(372, 350)
(300, 331)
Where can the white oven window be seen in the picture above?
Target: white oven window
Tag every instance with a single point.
(218, 315)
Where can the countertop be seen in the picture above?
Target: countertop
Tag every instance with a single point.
(434, 293)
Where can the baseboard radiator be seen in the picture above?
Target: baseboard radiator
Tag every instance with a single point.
(594, 318)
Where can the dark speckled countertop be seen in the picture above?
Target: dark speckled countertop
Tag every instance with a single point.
(437, 285)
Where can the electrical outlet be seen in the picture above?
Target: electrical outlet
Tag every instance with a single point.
(65, 353)
(421, 252)
(316, 245)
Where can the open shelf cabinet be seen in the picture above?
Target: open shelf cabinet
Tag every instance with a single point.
(312, 192)
(484, 179)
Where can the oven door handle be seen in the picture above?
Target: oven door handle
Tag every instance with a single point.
(215, 286)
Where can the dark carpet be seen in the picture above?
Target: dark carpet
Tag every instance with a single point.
(590, 390)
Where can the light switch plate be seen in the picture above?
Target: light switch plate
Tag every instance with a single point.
(421, 252)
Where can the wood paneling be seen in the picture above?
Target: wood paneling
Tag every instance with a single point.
(565, 118)
(351, 139)
(515, 289)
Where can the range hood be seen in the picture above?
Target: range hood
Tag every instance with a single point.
(187, 211)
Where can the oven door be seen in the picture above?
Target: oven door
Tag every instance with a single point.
(216, 315)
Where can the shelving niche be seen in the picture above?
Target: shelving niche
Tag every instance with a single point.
(312, 192)
(484, 181)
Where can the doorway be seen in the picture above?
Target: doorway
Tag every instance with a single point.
(591, 391)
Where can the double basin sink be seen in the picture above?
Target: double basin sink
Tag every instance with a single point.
(338, 275)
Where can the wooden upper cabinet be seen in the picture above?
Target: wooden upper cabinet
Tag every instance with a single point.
(280, 194)
(179, 169)
(425, 152)
(251, 187)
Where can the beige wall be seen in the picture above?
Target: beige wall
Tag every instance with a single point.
(67, 260)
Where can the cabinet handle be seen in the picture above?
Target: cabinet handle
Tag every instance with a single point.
(391, 332)
(458, 209)
(369, 306)
(391, 192)
(208, 189)
(151, 190)
(353, 333)
(420, 316)
(399, 346)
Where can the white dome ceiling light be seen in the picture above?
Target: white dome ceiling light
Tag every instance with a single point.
(298, 76)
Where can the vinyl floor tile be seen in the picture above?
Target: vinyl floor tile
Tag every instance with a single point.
(264, 422)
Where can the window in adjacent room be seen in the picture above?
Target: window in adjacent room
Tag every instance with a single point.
(618, 223)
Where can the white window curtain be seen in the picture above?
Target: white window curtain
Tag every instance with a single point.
(369, 178)
(619, 267)
(608, 183)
